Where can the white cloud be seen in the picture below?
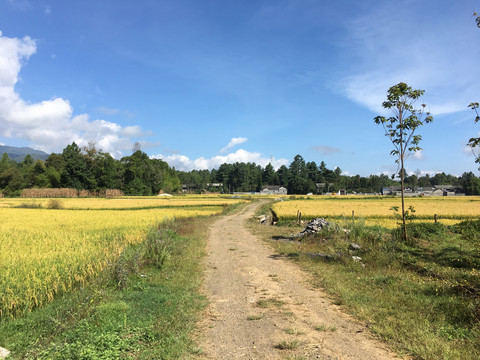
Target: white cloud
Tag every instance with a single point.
(183, 163)
(418, 155)
(421, 173)
(232, 143)
(133, 131)
(50, 125)
(471, 151)
(12, 53)
(394, 42)
(107, 111)
(21, 5)
(326, 149)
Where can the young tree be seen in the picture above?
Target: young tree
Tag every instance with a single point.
(475, 142)
(401, 128)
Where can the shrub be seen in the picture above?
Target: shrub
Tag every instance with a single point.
(470, 230)
(128, 263)
(55, 204)
(32, 205)
(425, 230)
(157, 248)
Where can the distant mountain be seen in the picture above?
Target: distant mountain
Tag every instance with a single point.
(18, 154)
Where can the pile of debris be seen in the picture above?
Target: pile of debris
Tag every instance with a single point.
(313, 227)
(265, 219)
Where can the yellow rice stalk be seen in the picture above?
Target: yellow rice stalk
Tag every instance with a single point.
(45, 252)
(121, 203)
(455, 208)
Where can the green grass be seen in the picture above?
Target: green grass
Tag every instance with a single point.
(145, 307)
(296, 332)
(323, 327)
(422, 297)
(288, 345)
(268, 303)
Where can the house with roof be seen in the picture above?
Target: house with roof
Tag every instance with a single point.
(273, 190)
(436, 190)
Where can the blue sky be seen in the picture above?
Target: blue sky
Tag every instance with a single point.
(199, 83)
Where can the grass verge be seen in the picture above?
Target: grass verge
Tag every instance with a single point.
(422, 297)
(144, 307)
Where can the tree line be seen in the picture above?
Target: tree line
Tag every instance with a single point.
(302, 177)
(88, 168)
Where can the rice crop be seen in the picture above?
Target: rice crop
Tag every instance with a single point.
(378, 210)
(122, 202)
(46, 252)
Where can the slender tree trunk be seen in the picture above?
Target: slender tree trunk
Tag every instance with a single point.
(402, 177)
(404, 225)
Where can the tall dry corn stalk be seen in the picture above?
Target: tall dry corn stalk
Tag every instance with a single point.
(69, 193)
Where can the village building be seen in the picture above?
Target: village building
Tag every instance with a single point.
(436, 190)
(273, 190)
(196, 188)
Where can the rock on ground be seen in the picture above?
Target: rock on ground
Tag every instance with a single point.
(4, 353)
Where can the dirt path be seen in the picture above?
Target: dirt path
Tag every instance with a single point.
(261, 303)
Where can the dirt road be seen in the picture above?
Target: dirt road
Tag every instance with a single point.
(262, 306)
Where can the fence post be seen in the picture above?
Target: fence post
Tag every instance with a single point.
(353, 215)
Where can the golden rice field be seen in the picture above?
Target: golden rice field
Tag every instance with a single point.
(123, 202)
(377, 210)
(45, 252)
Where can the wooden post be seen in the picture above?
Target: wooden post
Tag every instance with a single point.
(435, 217)
(353, 215)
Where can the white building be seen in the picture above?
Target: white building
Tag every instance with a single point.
(274, 190)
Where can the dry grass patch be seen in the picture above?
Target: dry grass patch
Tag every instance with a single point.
(268, 303)
(296, 332)
(288, 345)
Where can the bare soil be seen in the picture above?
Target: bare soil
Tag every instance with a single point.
(263, 307)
